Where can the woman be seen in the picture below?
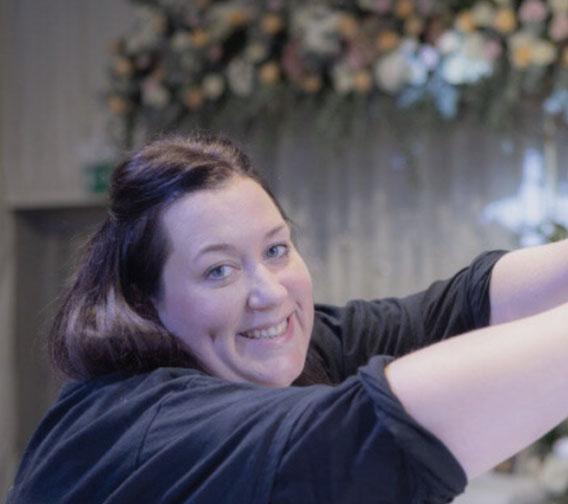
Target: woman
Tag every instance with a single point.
(191, 316)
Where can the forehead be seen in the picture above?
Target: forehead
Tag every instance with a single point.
(238, 208)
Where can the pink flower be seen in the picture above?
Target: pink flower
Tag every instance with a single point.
(292, 62)
(492, 49)
(559, 27)
(360, 53)
(382, 6)
(533, 11)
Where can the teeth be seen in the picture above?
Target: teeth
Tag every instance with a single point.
(268, 333)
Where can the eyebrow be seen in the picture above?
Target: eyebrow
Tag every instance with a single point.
(226, 247)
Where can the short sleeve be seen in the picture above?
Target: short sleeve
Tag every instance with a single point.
(347, 337)
(355, 443)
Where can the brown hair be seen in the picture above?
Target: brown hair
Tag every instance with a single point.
(107, 321)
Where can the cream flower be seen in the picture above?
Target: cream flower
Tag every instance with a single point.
(213, 86)
(392, 72)
(543, 52)
(342, 77)
(240, 74)
(483, 14)
(316, 26)
(449, 42)
(154, 94)
(558, 5)
(469, 63)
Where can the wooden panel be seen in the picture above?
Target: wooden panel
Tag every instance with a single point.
(54, 72)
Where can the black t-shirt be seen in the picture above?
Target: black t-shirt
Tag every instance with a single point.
(177, 435)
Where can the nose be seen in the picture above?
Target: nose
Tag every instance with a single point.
(266, 290)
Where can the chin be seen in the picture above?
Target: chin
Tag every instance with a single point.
(282, 379)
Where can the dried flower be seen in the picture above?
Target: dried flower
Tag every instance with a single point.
(505, 20)
(238, 17)
(269, 73)
(413, 26)
(520, 49)
(564, 57)
(193, 98)
(311, 83)
(118, 105)
(271, 24)
(199, 38)
(347, 26)
(362, 81)
(465, 22)
(403, 8)
(123, 67)
(387, 40)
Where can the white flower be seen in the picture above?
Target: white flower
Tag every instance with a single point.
(449, 42)
(213, 86)
(558, 5)
(469, 63)
(543, 52)
(154, 94)
(429, 56)
(473, 46)
(147, 32)
(392, 72)
(240, 74)
(459, 70)
(256, 52)
(418, 73)
(316, 28)
(180, 40)
(483, 13)
(554, 474)
(342, 77)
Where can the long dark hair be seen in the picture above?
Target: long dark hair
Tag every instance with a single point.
(107, 321)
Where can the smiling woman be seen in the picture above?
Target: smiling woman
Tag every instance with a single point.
(202, 371)
(235, 290)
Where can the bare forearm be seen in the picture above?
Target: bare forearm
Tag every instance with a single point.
(529, 281)
(490, 393)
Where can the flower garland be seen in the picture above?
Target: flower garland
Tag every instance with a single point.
(184, 56)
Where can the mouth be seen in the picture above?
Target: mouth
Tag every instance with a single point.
(267, 333)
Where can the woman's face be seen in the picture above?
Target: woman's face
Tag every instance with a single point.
(234, 288)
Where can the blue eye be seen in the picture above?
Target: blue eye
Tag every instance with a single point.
(277, 251)
(219, 272)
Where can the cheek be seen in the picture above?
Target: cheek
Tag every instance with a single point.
(196, 316)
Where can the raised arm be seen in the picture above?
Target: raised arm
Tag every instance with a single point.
(491, 392)
(529, 281)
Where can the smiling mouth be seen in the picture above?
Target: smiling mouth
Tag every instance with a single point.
(268, 332)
